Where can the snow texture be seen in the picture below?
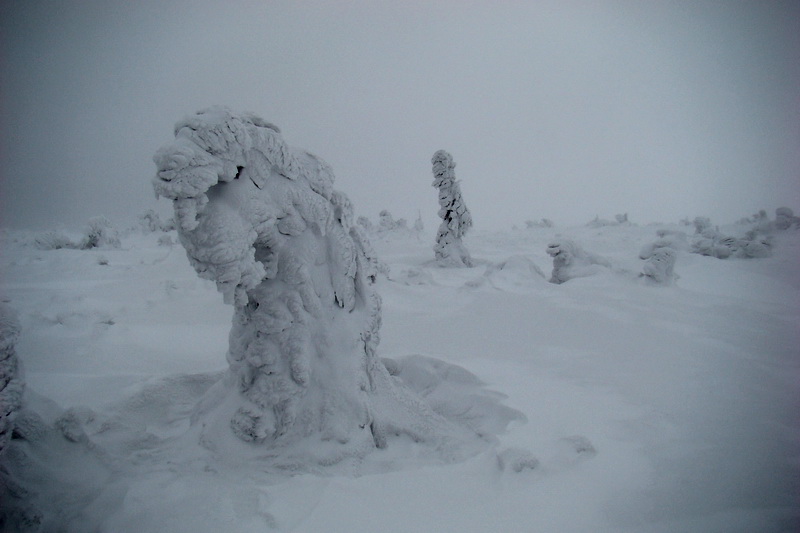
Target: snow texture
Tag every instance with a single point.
(571, 261)
(456, 218)
(263, 221)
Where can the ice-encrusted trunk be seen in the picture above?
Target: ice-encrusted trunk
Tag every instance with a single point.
(456, 218)
(11, 384)
(263, 221)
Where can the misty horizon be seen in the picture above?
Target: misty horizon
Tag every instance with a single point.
(560, 110)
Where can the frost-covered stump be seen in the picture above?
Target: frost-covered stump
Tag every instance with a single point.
(571, 261)
(263, 221)
(659, 265)
(456, 218)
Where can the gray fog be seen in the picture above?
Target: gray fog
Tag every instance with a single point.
(557, 109)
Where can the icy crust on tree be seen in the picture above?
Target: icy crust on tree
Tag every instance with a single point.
(571, 261)
(11, 384)
(456, 218)
(263, 221)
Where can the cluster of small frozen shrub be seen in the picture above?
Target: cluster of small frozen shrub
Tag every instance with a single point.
(100, 233)
(151, 222)
(619, 220)
(756, 242)
(388, 225)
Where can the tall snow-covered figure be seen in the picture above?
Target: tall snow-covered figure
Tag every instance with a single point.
(456, 219)
(263, 221)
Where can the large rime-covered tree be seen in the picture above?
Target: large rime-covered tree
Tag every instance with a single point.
(263, 221)
(456, 219)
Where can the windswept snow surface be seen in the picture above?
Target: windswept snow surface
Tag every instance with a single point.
(649, 408)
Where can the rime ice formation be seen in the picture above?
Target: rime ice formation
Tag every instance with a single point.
(263, 221)
(11, 385)
(710, 242)
(784, 218)
(571, 261)
(456, 219)
(659, 265)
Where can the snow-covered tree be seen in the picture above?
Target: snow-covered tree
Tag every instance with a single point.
(571, 261)
(456, 218)
(263, 221)
(11, 385)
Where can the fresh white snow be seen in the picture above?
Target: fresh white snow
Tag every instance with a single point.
(647, 408)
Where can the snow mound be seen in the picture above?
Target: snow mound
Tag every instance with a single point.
(455, 393)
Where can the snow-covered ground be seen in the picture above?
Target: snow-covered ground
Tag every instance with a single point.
(649, 408)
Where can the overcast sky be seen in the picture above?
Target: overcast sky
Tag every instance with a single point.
(562, 109)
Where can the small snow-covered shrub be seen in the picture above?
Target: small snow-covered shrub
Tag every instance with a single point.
(101, 233)
(701, 224)
(755, 245)
(571, 261)
(659, 266)
(516, 460)
(621, 218)
(11, 384)
(598, 222)
(785, 219)
(456, 218)
(53, 240)
(387, 223)
(714, 244)
(151, 222)
(366, 224)
(543, 223)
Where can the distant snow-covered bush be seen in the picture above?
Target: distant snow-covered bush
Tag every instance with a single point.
(456, 218)
(785, 219)
(53, 240)
(150, 222)
(571, 261)
(543, 223)
(597, 222)
(101, 233)
(387, 223)
(701, 224)
(754, 244)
